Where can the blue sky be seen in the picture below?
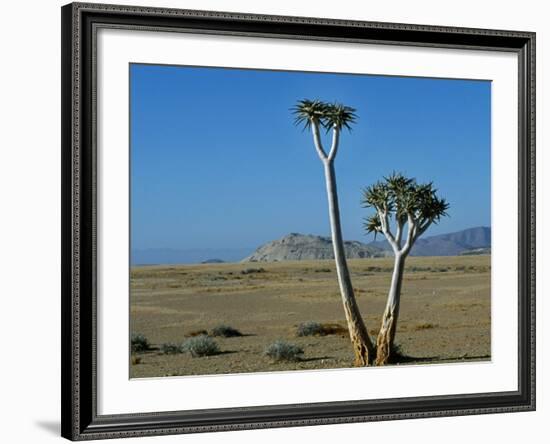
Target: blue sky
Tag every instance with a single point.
(216, 161)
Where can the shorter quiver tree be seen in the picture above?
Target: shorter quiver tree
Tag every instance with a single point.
(404, 202)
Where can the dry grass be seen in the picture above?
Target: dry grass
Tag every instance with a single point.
(445, 315)
(424, 326)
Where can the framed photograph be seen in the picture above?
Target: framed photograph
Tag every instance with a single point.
(274, 221)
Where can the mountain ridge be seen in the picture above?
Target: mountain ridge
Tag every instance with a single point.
(448, 244)
(296, 246)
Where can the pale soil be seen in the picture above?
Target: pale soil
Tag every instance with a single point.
(445, 311)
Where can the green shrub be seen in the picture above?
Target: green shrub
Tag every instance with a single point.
(226, 331)
(200, 346)
(284, 351)
(139, 343)
(310, 328)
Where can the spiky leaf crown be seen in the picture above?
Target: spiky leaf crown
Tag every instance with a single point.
(328, 115)
(400, 196)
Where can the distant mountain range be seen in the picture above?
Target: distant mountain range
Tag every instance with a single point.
(296, 246)
(451, 244)
(153, 256)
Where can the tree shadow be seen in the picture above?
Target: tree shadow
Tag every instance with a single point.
(467, 358)
(406, 359)
(321, 358)
(400, 358)
(226, 352)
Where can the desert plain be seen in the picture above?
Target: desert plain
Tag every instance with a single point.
(445, 312)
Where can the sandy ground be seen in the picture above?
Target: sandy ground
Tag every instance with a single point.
(445, 312)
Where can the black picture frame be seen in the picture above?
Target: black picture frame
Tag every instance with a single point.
(80, 420)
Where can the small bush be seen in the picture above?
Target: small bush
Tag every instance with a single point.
(334, 329)
(284, 351)
(136, 360)
(200, 346)
(170, 348)
(310, 328)
(424, 326)
(139, 343)
(226, 331)
(252, 270)
(415, 269)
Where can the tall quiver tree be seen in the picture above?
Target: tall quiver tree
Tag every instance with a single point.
(313, 115)
(400, 201)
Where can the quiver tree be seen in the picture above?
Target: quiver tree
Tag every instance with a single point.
(402, 202)
(314, 114)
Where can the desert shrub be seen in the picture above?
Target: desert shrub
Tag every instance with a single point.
(376, 269)
(416, 268)
(226, 331)
(334, 329)
(253, 270)
(200, 346)
(170, 348)
(424, 326)
(284, 351)
(139, 343)
(322, 270)
(310, 328)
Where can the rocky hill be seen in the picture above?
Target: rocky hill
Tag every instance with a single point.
(295, 247)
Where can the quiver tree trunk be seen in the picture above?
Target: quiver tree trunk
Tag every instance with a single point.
(315, 114)
(386, 335)
(407, 202)
(362, 345)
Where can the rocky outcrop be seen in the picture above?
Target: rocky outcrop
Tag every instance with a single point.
(296, 247)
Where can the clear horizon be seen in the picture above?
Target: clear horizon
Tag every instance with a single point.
(216, 161)
(379, 238)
